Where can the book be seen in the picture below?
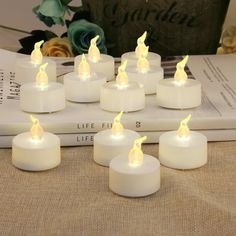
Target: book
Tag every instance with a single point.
(86, 139)
(218, 109)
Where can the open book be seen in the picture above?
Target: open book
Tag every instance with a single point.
(217, 112)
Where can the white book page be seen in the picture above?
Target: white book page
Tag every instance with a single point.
(218, 77)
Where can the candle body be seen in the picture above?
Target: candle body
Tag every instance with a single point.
(170, 95)
(183, 153)
(105, 65)
(83, 90)
(26, 71)
(36, 155)
(148, 80)
(117, 98)
(153, 58)
(137, 181)
(107, 146)
(42, 100)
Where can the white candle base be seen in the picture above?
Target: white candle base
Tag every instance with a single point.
(26, 71)
(153, 58)
(185, 96)
(106, 65)
(37, 100)
(183, 153)
(36, 155)
(148, 80)
(115, 99)
(108, 146)
(78, 90)
(137, 181)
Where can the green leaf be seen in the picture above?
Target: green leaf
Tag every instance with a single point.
(67, 23)
(58, 20)
(75, 9)
(52, 8)
(49, 34)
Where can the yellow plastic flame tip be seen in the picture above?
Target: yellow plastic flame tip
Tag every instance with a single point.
(136, 153)
(142, 38)
(183, 130)
(93, 52)
(94, 40)
(122, 77)
(36, 129)
(117, 127)
(141, 48)
(180, 74)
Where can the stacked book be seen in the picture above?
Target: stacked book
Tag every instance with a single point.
(77, 124)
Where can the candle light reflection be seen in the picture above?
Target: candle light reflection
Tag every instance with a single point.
(143, 65)
(42, 77)
(84, 70)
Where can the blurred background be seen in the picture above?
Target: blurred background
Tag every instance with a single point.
(18, 14)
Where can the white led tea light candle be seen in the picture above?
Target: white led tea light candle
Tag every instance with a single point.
(122, 94)
(27, 68)
(145, 74)
(36, 150)
(113, 142)
(183, 149)
(141, 48)
(135, 174)
(179, 92)
(100, 63)
(83, 85)
(41, 96)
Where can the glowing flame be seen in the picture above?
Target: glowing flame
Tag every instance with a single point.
(183, 130)
(141, 47)
(84, 68)
(180, 74)
(36, 129)
(42, 77)
(136, 153)
(93, 52)
(117, 127)
(143, 65)
(122, 77)
(36, 55)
